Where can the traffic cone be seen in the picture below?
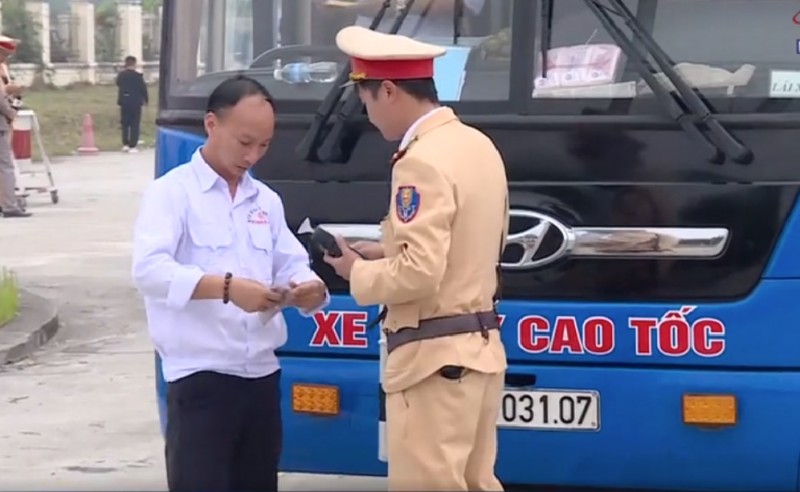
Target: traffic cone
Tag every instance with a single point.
(87, 139)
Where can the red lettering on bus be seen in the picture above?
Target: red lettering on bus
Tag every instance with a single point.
(643, 328)
(566, 336)
(354, 329)
(676, 336)
(598, 335)
(707, 334)
(340, 329)
(532, 332)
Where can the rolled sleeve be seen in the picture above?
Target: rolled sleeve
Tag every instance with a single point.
(182, 286)
(158, 230)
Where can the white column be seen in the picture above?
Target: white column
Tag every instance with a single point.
(40, 12)
(129, 32)
(83, 30)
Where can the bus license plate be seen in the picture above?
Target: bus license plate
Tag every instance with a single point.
(550, 410)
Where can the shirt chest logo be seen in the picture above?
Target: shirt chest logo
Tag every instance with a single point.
(257, 216)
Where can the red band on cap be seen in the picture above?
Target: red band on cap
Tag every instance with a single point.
(8, 46)
(392, 69)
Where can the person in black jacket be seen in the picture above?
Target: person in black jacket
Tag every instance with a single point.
(132, 95)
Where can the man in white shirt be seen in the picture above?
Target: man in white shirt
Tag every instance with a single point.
(215, 261)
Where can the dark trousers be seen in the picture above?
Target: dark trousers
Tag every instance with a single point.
(224, 433)
(130, 121)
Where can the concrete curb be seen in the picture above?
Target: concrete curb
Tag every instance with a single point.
(36, 324)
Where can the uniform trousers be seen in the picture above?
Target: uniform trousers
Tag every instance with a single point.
(442, 433)
(8, 180)
(224, 433)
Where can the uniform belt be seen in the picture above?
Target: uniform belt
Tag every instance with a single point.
(442, 327)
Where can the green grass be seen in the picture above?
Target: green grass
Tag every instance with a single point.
(61, 111)
(9, 296)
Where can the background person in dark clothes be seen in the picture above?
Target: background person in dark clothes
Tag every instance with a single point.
(216, 262)
(131, 96)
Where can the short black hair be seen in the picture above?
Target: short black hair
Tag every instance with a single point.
(420, 89)
(231, 91)
(130, 60)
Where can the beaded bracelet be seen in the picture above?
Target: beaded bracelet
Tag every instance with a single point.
(226, 287)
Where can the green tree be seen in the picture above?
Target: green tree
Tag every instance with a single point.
(19, 24)
(106, 22)
(150, 5)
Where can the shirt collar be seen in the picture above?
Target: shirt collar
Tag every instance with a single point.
(208, 178)
(413, 128)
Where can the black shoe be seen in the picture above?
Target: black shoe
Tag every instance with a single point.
(16, 213)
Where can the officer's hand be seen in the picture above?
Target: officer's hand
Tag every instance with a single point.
(252, 296)
(344, 263)
(370, 250)
(306, 295)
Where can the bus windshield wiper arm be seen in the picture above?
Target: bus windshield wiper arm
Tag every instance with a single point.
(721, 140)
(307, 148)
(545, 40)
(331, 148)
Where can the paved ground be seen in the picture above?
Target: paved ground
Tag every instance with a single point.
(81, 414)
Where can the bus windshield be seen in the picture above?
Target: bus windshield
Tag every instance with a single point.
(732, 49)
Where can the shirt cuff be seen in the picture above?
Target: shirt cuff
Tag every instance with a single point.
(182, 286)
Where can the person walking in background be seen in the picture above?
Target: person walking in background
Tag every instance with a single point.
(131, 96)
(9, 205)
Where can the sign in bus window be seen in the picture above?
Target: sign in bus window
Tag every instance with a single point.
(723, 48)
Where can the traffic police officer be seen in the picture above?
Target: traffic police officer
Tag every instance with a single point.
(435, 271)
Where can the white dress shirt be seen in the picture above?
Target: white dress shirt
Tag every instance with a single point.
(188, 226)
(429, 27)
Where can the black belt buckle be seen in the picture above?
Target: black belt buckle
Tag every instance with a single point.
(484, 328)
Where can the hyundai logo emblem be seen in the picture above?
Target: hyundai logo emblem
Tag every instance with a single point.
(531, 239)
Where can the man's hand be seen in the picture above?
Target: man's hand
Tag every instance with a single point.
(306, 295)
(253, 297)
(14, 89)
(371, 250)
(344, 263)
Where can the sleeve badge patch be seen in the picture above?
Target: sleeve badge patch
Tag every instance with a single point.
(407, 203)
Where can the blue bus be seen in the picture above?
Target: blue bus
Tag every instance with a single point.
(652, 275)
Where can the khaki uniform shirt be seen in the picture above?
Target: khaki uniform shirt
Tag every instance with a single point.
(447, 217)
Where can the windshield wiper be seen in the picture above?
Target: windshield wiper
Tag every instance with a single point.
(307, 148)
(720, 141)
(458, 17)
(546, 38)
(331, 149)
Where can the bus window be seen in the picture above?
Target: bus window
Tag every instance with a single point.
(210, 36)
(217, 38)
(738, 50)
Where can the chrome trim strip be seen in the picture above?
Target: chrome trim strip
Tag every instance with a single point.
(588, 242)
(656, 242)
(355, 232)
